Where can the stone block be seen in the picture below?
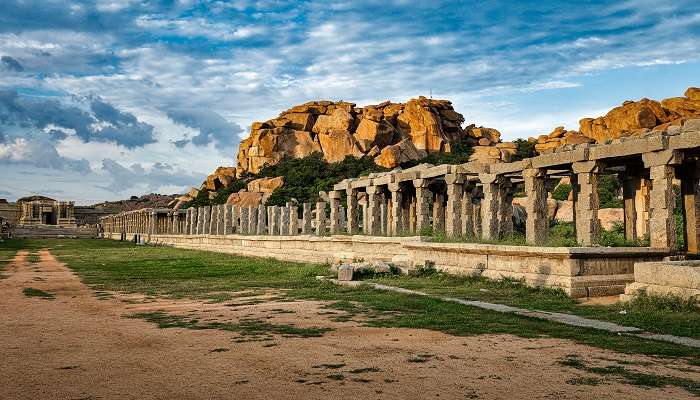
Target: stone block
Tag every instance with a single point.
(345, 272)
(554, 159)
(629, 147)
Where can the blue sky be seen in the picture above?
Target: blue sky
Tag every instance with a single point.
(106, 99)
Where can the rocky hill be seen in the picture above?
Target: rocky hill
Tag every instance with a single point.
(630, 118)
(152, 200)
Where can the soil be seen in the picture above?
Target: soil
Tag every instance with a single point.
(82, 344)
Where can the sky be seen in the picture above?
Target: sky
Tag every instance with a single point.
(102, 100)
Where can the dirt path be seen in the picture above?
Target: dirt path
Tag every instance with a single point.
(80, 345)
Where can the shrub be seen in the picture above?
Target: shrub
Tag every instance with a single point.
(608, 188)
(561, 192)
(524, 149)
(562, 234)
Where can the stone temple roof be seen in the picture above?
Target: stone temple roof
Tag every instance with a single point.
(34, 198)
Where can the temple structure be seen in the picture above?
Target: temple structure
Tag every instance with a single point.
(40, 210)
(474, 200)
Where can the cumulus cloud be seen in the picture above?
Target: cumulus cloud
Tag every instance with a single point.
(101, 122)
(158, 175)
(212, 128)
(39, 153)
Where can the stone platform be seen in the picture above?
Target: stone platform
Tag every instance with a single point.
(579, 271)
(53, 232)
(679, 278)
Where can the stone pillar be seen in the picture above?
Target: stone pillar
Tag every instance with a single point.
(439, 213)
(227, 219)
(412, 216)
(252, 220)
(243, 223)
(261, 227)
(662, 202)
(342, 213)
(642, 207)
(536, 223)
(214, 220)
(207, 220)
(200, 220)
(453, 213)
(396, 228)
(489, 206)
(320, 218)
(587, 202)
(271, 224)
(352, 211)
(306, 219)
(220, 220)
(364, 217)
(505, 211)
(373, 212)
(235, 219)
(334, 197)
(384, 214)
(690, 192)
(630, 187)
(467, 212)
(293, 220)
(284, 219)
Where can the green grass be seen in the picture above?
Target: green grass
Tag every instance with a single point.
(618, 371)
(33, 258)
(32, 292)
(251, 327)
(653, 314)
(117, 266)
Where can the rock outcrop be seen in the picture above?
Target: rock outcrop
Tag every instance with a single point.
(630, 118)
(391, 133)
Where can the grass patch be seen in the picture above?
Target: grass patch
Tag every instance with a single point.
(336, 377)
(33, 258)
(32, 292)
(584, 381)
(245, 327)
(665, 315)
(364, 370)
(329, 366)
(165, 271)
(631, 377)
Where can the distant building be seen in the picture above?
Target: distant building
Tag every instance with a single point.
(40, 210)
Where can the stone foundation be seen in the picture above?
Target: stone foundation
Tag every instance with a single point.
(679, 278)
(579, 271)
(53, 232)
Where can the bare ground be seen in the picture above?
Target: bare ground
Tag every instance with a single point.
(82, 345)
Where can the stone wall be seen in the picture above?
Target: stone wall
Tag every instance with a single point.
(580, 272)
(678, 278)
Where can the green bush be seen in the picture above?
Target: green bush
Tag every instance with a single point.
(608, 188)
(561, 192)
(524, 149)
(562, 234)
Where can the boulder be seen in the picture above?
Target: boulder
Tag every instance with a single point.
(337, 144)
(339, 120)
(370, 133)
(300, 121)
(627, 118)
(610, 216)
(692, 93)
(422, 126)
(221, 178)
(245, 199)
(193, 193)
(399, 153)
(265, 185)
(269, 146)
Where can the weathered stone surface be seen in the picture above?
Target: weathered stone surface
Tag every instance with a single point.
(265, 185)
(371, 133)
(337, 144)
(221, 178)
(245, 199)
(392, 156)
(339, 120)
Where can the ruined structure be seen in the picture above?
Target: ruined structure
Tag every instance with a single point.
(40, 210)
(470, 200)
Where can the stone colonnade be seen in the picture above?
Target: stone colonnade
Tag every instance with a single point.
(476, 200)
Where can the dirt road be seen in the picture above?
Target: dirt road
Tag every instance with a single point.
(82, 345)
